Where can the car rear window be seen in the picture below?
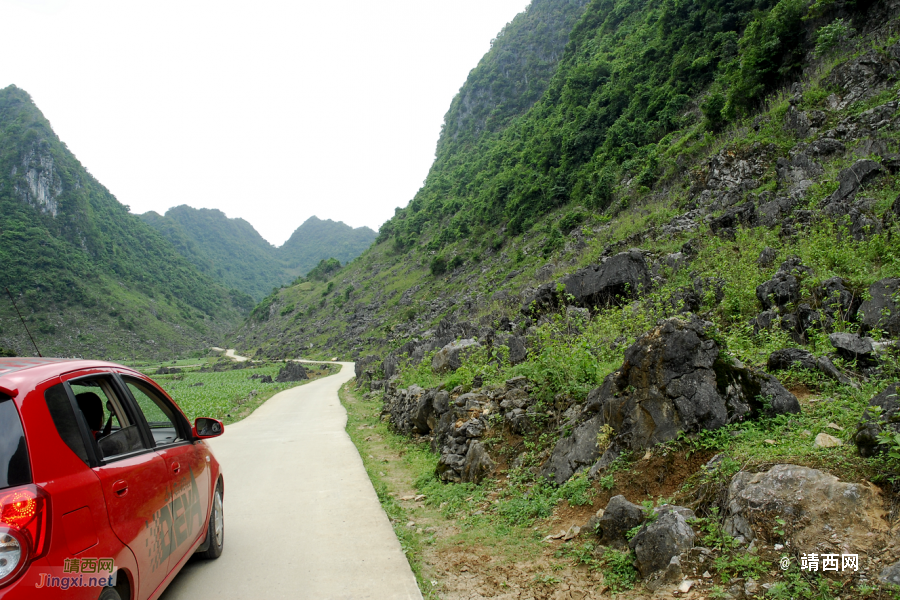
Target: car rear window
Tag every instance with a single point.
(14, 467)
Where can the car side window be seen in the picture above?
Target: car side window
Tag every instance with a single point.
(157, 412)
(116, 432)
(64, 418)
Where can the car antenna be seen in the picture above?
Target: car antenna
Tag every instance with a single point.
(11, 299)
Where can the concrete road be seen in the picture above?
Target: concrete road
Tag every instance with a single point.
(301, 517)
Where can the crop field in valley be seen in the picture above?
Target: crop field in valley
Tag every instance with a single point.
(228, 395)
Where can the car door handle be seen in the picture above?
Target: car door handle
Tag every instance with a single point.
(176, 468)
(120, 488)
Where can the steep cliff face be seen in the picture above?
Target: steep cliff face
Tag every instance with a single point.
(85, 272)
(513, 75)
(42, 186)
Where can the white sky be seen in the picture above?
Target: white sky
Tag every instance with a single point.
(272, 111)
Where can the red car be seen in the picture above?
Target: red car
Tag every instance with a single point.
(106, 490)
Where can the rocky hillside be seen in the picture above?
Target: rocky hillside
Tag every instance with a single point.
(688, 245)
(233, 252)
(90, 278)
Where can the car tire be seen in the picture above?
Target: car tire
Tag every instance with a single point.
(215, 533)
(109, 594)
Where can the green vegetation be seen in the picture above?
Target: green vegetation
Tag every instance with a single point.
(78, 262)
(228, 395)
(232, 252)
(325, 269)
(622, 92)
(229, 250)
(318, 239)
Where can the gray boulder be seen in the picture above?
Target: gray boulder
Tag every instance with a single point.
(791, 172)
(766, 257)
(745, 215)
(619, 517)
(852, 178)
(575, 452)
(854, 347)
(797, 122)
(441, 402)
(814, 506)
(620, 278)
(477, 465)
(890, 574)
(825, 147)
(866, 437)
(660, 540)
(391, 366)
(866, 75)
(422, 417)
(449, 358)
(674, 380)
(292, 371)
(835, 300)
(784, 287)
(364, 369)
(788, 357)
(883, 310)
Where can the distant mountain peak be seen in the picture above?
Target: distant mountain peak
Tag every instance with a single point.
(233, 251)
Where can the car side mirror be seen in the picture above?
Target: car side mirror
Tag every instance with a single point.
(205, 427)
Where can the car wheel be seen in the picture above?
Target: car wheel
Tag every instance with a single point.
(109, 594)
(216, 531)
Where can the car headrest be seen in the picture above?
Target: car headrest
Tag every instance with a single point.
(92, 407)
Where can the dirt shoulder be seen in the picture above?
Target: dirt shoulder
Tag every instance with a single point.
(457, 548)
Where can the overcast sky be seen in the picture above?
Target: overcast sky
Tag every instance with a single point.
(272, 111)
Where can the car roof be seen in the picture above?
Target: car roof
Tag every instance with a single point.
(22, 372)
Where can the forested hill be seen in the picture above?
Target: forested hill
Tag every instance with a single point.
(233, 252)
(318, 239)
(632, 76)
(668, 127)
(229, 250)
(90, 278)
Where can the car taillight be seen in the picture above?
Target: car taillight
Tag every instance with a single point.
(24, 529)
(13, 554)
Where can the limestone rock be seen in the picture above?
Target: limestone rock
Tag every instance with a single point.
(883, 310)
(573, 453)
(788, 357)
(866, 437)
(658, 541)
(619, 517)
(292, 371)
(817, 507)
(784, 287)
(618, 279)
(890, 574)
(449, 358)
(673, 380)
(852, 178)
(823, 440)
(853, 347)
(478, 464)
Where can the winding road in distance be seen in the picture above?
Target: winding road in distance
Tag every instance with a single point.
(301, 517)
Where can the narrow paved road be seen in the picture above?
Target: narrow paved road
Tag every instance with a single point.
(301, 517)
